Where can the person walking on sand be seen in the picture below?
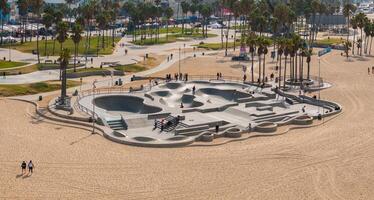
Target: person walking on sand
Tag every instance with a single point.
(31, 167)
(368, 70)
(23, 167)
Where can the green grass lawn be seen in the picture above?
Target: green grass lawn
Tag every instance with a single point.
(130, 68)
(22, 70)
(152, 41)
(330, 41)
(194, 35)
(83, 70)
(33, 88)
(8, 65)
(162, 30)
(216, 46)
(30, 46)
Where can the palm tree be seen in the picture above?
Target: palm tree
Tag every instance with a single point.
(47, 21)
(281, 46)
(4, 8)
(348, 10)
(287, 49)
(168, 14)
(265, 44)
(361, 21)
(251, 42)
(36, 6)
(64, 62)
(236, 12)
(229, 4)
(62, 34)
(354, 23)
(260, 51)
(76, 37)
(22, 11)
(347, 46)
(308, 54)
(185, 8)
(371, 36)
(205, 11)
(58, 15)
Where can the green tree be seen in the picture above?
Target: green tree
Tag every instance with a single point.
(168, 14)
(76, 37)
(64, 62)
(36, 7)
(348, 10)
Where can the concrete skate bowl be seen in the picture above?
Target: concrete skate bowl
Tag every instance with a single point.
(228, 95)
(162, 93)
(266, 127)
(172, 86)
(128, 104)
(187, 100)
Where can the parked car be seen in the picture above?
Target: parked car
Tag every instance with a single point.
(240, 58)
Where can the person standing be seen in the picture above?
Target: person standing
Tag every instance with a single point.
(31, 167)
(23, 167)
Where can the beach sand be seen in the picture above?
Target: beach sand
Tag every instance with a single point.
(331, 161)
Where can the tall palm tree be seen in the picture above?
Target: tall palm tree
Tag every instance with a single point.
(47, 21)
(185, 8)
(205, 11)
(58, 15)
(229, 4)
(168, 14)
(64, 62)
(36, 6)
(236, 11)
(361, 21)
(251, 42)
(354, 23)
(76, 37)
(348, 10)
(265, 43)
(281, 46)
(62, 34)
(287, 49)
(4, 8)
(22, 11)
(347, 46)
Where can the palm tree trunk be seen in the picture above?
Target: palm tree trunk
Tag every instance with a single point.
(263, 71)
(362, 43)
(227, 35)
(353, 42)
(280, 71)
(285, 72)
(235, 34)
(259, 68)
(37, 41)
(45, 45)
(75, 57)
(252, 75)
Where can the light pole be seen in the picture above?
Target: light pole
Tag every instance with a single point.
(93, 106)
(319, 84)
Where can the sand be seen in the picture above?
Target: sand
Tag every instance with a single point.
(332, 161)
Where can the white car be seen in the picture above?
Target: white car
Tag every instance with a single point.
(215, 26)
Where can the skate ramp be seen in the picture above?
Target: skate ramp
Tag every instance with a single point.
(130, 104)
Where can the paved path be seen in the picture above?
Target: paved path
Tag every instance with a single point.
(135, 54)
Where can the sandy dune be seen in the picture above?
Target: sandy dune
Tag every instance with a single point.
(332, 161)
